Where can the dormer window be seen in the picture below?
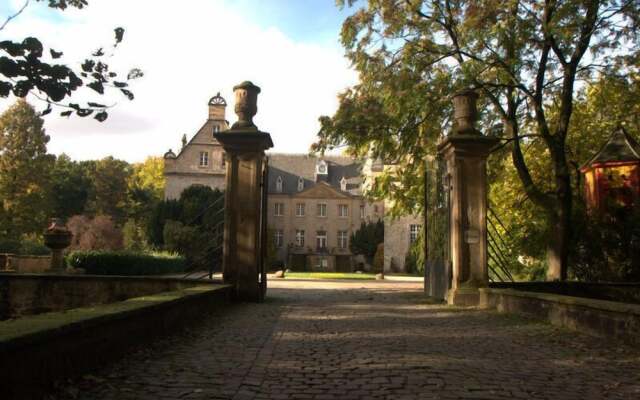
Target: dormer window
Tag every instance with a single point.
(343, 184)
(321, 168)
(279, 184)
(322, 171)
(216, 129)
(300, 184)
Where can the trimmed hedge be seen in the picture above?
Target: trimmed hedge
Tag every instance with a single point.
(125, 263)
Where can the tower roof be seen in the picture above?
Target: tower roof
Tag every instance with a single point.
(620, 147)
(217, 100)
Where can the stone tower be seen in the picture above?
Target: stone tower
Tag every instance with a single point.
(217, 108)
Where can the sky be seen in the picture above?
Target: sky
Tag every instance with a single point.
(189, 51)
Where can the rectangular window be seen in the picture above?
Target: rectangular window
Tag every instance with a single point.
(224, 160)
(322, 263)
(322, 209)
(278, 238)
(361, 212)
(300, 210)
(321, 239)
(343, 210)
(414, 231)
(299, 238)
(204, 158)
(278, 209)
(342, 239)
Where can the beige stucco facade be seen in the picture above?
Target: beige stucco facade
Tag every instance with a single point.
(202, 160)
(306, 217)
(294, 179)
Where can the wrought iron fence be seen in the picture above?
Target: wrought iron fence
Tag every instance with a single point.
(211, 220)
(501, 257)
(437, 271)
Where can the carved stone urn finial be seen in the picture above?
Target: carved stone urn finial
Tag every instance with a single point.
(57, 237)
(246, 104)
(465, 112)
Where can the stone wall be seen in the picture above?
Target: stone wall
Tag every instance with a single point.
(597, 317)
(396, 241)
(34, 294)
(40, 349)
(28, 264)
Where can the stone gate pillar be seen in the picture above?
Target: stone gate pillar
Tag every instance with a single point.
(465, 151)
(244, 145)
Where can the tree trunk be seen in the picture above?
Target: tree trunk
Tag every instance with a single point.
(560, 219)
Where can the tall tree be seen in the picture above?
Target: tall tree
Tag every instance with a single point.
(70, 188)
(24, 171)
(523, 56)
(109, 195)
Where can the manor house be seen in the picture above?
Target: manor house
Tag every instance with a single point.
(314, 204)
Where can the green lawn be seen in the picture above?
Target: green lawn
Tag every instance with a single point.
(330, 275)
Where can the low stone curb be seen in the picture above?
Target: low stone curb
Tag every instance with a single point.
(597, 317)
(39, 349)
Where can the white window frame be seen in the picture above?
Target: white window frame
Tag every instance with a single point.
(216, 129)
(343, 210)
(321, 210)
(322, 263)
(343, 184)
(278, 238)
(204, 158)
(414, 232)
(299, 237)
(321, 238)
(300, 184)
(300, 209)
(278, 209)
(343, 239)
(279, 184)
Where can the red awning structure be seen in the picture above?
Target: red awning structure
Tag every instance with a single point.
(612, 175)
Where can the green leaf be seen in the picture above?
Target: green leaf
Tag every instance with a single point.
(5, 88)
(55, 54)
(101, 116)
(127, 93)
(33, 45)
(8, 67)
(119, 34)
(97, 86)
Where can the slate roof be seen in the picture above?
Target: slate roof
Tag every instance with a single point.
(292, 166)
(620, 147)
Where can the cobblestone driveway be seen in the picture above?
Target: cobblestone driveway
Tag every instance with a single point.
(375, 340)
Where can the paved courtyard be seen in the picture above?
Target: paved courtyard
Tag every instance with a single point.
(366, 340)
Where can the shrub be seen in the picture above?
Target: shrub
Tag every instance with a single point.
(134, 237)
(378, 259)
(99, 233)
(366, 239)
(414, 260)
(125, 263)
(33, 247)
(606, 245)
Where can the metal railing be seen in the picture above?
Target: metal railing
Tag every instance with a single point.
(211, 255)
(500, 254)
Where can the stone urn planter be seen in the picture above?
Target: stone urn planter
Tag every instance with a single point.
(57, 237)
